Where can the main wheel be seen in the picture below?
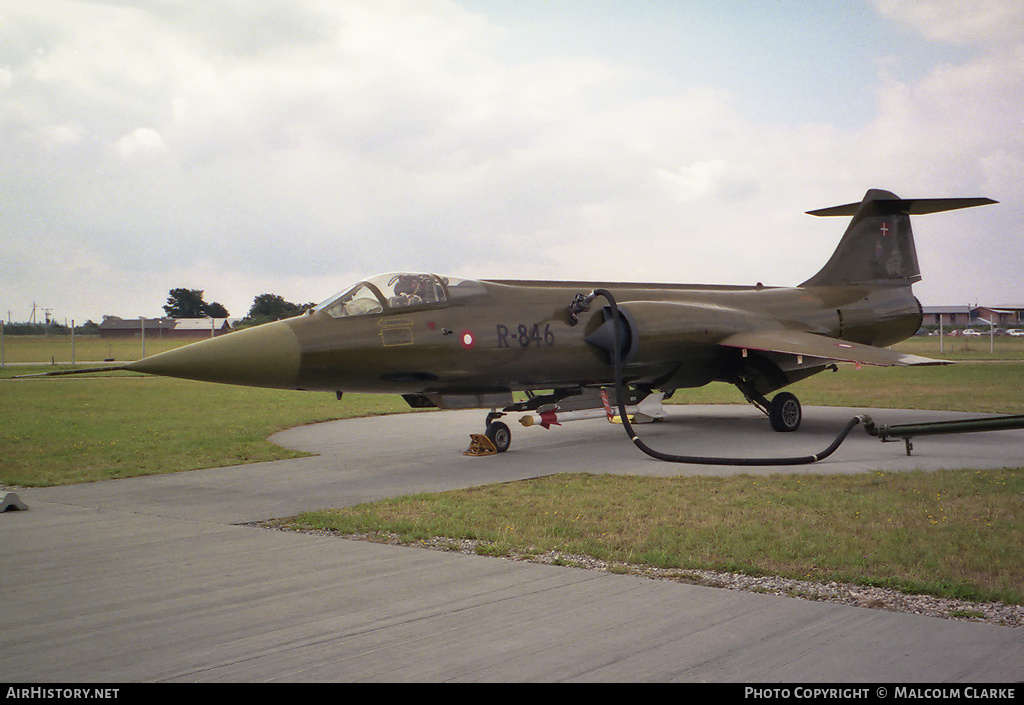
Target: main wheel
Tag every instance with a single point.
(785, 413)
(500, 435)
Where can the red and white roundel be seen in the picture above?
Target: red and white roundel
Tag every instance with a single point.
(467, 339)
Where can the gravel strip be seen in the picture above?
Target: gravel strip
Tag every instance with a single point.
(995, 613)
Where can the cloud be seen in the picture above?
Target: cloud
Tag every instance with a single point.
(290, 147)
(983, 22)
(700, 181)
(140, 142)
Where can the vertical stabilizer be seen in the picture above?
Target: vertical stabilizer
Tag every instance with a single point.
(878, 245)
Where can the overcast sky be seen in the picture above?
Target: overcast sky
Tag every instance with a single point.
(294, 147)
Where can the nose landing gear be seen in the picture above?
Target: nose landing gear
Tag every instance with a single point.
(495, 439)
(499, 434)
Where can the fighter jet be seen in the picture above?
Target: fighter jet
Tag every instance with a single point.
(459, 343)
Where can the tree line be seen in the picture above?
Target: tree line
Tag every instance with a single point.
(181, 303)
(51, 328)
(189, 303)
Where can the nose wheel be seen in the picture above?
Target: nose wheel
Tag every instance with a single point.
(495, 439)
(500, 435)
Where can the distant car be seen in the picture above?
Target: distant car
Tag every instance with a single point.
(1016, 332)
(972, 332)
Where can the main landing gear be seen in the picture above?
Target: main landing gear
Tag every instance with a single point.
(784, 412)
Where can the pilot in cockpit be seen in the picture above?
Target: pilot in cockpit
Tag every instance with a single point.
(409, 290)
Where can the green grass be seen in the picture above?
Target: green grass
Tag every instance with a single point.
(80, 429)
(990, 387)
(56, 349)
(954, 533)
(961, 348)
(951, 533)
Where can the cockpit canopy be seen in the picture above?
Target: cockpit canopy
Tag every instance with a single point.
(390, 292)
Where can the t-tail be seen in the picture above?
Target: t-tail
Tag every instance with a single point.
(878, 246)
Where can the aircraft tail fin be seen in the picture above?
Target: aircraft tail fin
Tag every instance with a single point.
(878, 245)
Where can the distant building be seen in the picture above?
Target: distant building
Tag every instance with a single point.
(978, 316)
(114, 327)
(197, 328)
(946, 316)
(200, 327)
(999, 316)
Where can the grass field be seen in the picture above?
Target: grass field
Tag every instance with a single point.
(57, 349)
(952, 534)
(955, 533)
(960, 348)
(63, 430)
(987, 387)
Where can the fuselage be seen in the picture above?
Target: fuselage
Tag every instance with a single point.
(500, 336)
(517, 335)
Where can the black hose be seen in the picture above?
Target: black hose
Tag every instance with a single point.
(620, 398)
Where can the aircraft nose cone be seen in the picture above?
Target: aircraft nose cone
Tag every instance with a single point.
(263, 356)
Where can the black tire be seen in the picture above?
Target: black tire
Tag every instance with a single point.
(785, 413)
(500, 435)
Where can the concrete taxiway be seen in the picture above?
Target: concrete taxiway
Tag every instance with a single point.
(159, 578)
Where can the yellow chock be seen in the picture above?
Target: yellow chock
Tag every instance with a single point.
(479, 444)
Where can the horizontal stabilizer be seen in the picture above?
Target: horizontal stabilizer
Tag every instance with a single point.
(878, 245)
(910, 206)
(791, 342)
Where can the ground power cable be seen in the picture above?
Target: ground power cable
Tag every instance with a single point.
(620, 399)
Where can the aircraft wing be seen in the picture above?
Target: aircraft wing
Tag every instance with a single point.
(801, 344)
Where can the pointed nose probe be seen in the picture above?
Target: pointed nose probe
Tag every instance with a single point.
(263, 356)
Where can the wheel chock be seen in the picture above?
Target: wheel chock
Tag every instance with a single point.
(479, 444)
(9, 502)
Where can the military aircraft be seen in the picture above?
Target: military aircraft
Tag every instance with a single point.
(458, 343)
